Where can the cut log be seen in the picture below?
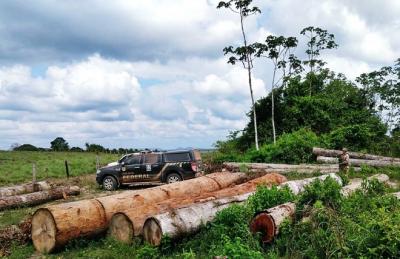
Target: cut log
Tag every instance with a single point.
(24, 188)
(36, 198)
(135, 218)
(90, 217)
(297, 186)
(282, 168)
(335, 153)
(52, 226)
(358, 162)
(357, 183)
(185, 220)
(267, 222)
(189, 218)
(193, 187)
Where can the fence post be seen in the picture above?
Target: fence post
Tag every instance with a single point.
(66, 168)
(34, 176)
(97, 162)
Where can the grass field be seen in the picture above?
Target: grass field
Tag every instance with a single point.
(16, 166)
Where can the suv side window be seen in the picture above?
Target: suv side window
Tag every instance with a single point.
(151, 158)
(133, 160)
(172, 157)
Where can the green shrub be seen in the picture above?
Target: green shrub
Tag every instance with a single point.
(364, 225)
(326, 191)
(356, 137)
(291, 148)
(265, 198)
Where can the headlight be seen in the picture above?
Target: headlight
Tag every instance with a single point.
(98, 171)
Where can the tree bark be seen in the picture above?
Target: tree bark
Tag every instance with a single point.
(267, 222)
(125, 223)
(187, 219)
(90, 217)
(335, 153)
(282, 168)
(24, 188)
(358, 162)
(249, 67)
(36, 198)
(297, 186)
(273, 105)
(193, 187)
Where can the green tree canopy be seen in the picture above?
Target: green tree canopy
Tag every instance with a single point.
(26, 147)
(59, 144)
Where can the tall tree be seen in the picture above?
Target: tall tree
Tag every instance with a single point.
(318, 39)
(59, 144)
(279, 50)
(384, 86)
(245, 53)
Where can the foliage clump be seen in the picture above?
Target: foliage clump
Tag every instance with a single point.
(292, 148)
(365, 224)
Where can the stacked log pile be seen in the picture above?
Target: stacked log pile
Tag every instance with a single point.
(196, 209)
(327, 156)
(55, 225)
(335, 153)
(186, 219)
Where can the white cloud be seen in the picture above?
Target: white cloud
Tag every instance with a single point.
(98, 97)
(161, 79)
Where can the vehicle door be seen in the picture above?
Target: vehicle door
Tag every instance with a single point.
(131, 168)
(151, 165)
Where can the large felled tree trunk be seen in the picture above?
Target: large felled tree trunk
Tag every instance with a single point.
(36, 198)
(358, 162)
(267, 222)
(187, 219)
(297, 186)
(282, 168)
(67, 221)
(125, 225)
(24, 188)
(335, 153)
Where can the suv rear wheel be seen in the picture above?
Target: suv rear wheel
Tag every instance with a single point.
(109, 183)
(173, 178)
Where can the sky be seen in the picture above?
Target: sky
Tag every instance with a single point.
(130, 73)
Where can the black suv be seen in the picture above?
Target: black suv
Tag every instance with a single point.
(148, 167)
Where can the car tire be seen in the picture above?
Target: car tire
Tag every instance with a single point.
(173, 178)
(109, 183)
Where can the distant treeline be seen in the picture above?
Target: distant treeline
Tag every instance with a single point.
(61, 145)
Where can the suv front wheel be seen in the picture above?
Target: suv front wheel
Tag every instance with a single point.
(173, 178)
(109, 183)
